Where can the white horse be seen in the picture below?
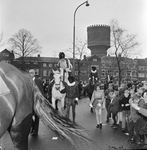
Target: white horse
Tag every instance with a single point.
(56, 95)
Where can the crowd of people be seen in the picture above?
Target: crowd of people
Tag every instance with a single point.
(126, 106)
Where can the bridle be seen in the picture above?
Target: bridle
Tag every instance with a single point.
(57, 85)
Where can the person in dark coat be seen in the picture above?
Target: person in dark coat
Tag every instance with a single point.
(35, 118)
(114, 107)
(125, 107)
(93, 77)
(108, 100)
(135, 119)
(72, 96)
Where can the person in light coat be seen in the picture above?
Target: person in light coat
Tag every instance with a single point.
(97, 102)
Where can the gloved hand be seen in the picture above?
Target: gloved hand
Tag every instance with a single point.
(67, 70)
(76, 101)
(33, 117)
(91, 105)
(127, 105)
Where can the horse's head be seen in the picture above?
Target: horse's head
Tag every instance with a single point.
(57, 79)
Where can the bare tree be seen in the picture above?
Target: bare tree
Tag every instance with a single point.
(80, 51)
(123, 44)
(24, 44)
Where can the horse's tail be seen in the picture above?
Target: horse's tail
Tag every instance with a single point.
(61, 125)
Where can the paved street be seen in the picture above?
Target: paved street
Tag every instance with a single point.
(104, 137)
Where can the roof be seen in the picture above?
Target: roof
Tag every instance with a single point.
(141, 62)
(40, 59)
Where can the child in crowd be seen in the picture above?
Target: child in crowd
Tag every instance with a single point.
(97, 101)
(114, 107)
(108, 100)
(135, 118)
(125, 107)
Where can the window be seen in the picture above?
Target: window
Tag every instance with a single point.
(83, 73)
(36, 71)
(134, 67)
(35, 62)
(5, 55)
(103, 72)
(95, 60)
(27, 62)
(76, 73)
(116, 73)
(134, 74)
(141, 75)
(6, 61)
(44, 72)
(141, 68)
(103, 65)
(50, 65)
(44, 64)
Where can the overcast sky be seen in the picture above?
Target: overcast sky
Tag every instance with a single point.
(51, 21)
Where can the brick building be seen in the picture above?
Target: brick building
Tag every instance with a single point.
(135, 68)
(7, 56)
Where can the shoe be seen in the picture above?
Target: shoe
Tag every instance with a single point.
(126, 133)
(100, 125)
(112, 125)
(115, 127)
(131, 140)
(34, 134)
(123, 130)
(97, 126)
(91, 110)
(107, 120)
(138, 143)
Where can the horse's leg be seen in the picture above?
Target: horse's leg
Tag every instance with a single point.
(68, 110)
(7, 110)
(74, 112)
(90, 96)
(19, 133)
(53, 102)
(60, 106)
(56, 104)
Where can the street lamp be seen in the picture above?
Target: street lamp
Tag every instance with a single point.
(87, 4)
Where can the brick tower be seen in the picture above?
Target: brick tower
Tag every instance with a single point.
(98, 39)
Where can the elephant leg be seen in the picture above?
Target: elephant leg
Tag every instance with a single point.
(19, 134)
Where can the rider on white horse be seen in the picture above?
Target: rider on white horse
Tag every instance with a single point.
(65, 66)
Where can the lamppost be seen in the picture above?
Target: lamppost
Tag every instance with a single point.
(87, 4)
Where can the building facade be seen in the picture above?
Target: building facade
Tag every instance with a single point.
(133, 68)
